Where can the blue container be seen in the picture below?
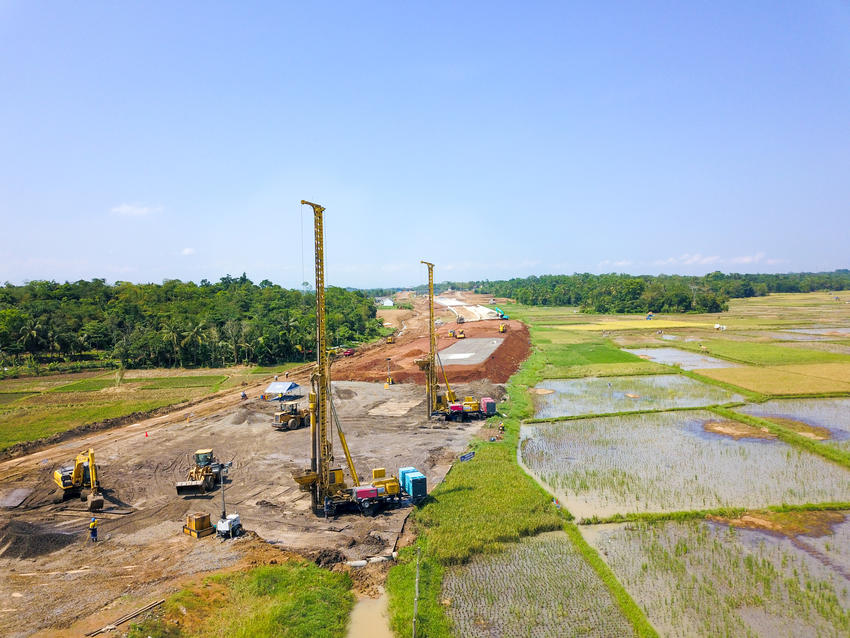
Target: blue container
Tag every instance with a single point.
(402, 472)
(417, 485)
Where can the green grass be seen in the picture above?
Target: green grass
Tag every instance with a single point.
(9, 397)
(280, 368)
(86, 385)
(195, 381)
(606, 370)
(30, 424)
(296, 599)
(765, 354)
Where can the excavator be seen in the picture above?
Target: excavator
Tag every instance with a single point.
(324, 480)
(82, 474)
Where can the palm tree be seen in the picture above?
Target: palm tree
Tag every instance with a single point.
(195, 337)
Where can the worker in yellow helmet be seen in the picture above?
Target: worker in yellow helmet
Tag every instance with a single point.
(93, 529)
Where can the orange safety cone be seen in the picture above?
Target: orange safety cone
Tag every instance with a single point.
(146, 435)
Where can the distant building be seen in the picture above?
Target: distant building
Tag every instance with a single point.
(386, 302)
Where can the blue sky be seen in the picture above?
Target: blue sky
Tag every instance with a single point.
(145, 141)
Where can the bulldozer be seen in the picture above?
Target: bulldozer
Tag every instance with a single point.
(291, 417)
(202, 476)
(391, 338)
(82, 474)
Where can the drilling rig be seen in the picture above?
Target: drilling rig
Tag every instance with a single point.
(446, 405)
(326, 483)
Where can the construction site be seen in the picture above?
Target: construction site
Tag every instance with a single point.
(241, 479)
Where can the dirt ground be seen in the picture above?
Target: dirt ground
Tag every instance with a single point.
(370, 363)
(55, 583)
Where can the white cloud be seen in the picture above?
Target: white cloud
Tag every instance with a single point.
(689, 259)
(135, 210)
(747, 259)
(187, 251)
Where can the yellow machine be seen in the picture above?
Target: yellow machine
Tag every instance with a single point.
(202, 476)
(291, 417)
(503, 327)
(391, 339)
(460, 335)
(82, 474)
(198, 525)
(326, 484)
(452, 333)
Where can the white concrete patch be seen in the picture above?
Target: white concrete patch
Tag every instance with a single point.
(394, 408)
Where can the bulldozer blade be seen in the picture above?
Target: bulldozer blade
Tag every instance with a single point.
(95, 502)
(190, 487)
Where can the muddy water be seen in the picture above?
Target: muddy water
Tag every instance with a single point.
(369, 619)
(683, 359)
(601, 395)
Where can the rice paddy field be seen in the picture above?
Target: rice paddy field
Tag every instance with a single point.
(540, 586)
(702, 463)
(672, 461)
(592, 395)
(701, 578)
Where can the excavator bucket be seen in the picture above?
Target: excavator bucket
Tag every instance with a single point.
(190, 487)
(95, 502)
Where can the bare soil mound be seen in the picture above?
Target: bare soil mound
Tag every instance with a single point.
(370, 364)
(19, 539)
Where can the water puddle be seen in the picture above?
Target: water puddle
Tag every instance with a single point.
(681, 358)
(604, 395)
(369, 619)
(816, 418)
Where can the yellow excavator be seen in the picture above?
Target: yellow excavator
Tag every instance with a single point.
(325, 481)
(73, 479)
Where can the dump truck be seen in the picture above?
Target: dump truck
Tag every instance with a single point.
(73, 479)
(291, 417)
(202, 476)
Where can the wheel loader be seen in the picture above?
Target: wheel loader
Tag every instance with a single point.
(81, 475)
(202, 476)
(291, 417)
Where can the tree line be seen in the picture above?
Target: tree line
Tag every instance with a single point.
(663, 293)
(175, 323)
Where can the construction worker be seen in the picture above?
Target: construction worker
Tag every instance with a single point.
(244, 396)
(93, 529)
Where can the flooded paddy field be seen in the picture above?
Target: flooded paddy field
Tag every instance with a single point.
(681, 358)
(832, 415)
(540, 586)
(702, 578)
(594, 395)
(672, 461)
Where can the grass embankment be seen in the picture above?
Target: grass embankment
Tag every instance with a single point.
(481, 505)
(31, 424)
(719, 512)
(36, 408)
(295, 599)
